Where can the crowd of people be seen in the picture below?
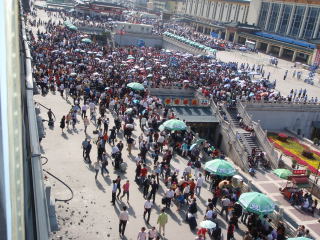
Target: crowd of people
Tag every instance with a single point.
(93, 78)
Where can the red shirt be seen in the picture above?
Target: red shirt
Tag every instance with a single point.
(143, 172)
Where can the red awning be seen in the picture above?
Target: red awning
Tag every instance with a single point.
(300, 180)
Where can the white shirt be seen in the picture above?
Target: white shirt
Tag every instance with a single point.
(124, 216)
(152, 233)
(209, 214)
(148, 204)
(170, 193)
(161, 139)
(199, 182)
(225, 202)
(115, 149)
(142, 236)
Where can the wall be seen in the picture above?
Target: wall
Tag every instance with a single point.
(277, 117)
(254, 11)
(130, 39)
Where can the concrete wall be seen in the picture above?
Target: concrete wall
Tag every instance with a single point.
(133, 39)
(277, 117)
(254, 12)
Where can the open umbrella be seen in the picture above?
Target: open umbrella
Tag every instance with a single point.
(255, 202)
(86, 40)
(136, 86)
(129, 111)
(220, 167)
(208, 224)
(282, 173)
(174, 125)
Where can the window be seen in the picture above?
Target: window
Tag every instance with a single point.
(297, 21)
(263, 14)
(311, 22)
(273, 17)
(284, 19)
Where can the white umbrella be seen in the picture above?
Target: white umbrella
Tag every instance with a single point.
(150, 75)
(95, 74)
(186, 81)
(98, 59)
(164, 66)
(141, 59)
(163, 77)
(149, 68)
(73, 74)
(69, 62)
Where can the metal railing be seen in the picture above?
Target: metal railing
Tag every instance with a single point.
(261, 135)
(228, 131)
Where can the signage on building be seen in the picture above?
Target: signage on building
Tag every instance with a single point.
(204, 102)
(299, 172)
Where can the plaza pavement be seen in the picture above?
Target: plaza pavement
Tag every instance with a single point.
(90, 215)
(277, 73)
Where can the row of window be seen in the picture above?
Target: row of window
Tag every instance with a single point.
(199, 8)
(293, 20)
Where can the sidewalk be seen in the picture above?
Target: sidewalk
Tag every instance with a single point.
(268, 183)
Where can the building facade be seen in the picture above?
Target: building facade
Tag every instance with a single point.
(296, 19)
(219, 10)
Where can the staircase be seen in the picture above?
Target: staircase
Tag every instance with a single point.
(249, 142)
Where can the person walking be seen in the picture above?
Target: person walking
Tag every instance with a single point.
(84, 147)
(114, 191)
(142, 235)
(225, 202)
(199, 184)
(230, 231)
(86, 123)
(152, 234)
(162, 221)
(97, 168)
(123, 219)
(87, 153)
(125, 189)
(147, 209)
(118, 186)
(63, 123)
(104, 163)
(154, 188)
(130, 142)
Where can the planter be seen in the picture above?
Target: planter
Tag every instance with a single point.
(283, 137)
(307, 154)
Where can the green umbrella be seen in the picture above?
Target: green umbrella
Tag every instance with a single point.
(86, 40)
(255, 202)
(73, 28)
(220, 167)
(208, 224)
(136, 86)
(282, 173)
(299, 238)
(173, 125)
